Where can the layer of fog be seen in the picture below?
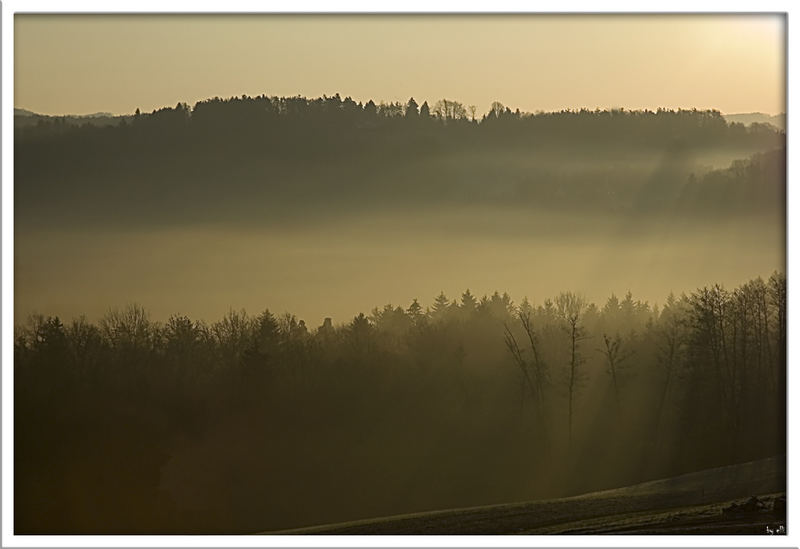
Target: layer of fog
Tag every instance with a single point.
(316, 270)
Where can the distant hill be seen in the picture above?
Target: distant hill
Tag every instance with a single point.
(778, 120)
(23, 112)
(26, 112)
(24, 118)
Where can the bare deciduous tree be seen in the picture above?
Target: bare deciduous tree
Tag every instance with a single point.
(614, 356)
(534, 371)
(570, 307)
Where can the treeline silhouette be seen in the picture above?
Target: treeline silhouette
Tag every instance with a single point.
(250, 119)
(199, 163)
(250, 423)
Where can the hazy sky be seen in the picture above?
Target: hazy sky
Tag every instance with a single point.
(115, 63)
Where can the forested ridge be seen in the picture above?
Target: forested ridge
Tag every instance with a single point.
(262, 159)
(250, 118)
(249, 423)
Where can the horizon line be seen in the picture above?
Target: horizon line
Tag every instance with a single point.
(573, 109)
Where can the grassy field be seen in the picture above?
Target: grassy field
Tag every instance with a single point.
(713, 501)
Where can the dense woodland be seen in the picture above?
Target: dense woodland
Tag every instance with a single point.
(267, 159)
(250, 423)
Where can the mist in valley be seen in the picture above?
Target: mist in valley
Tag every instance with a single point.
(315, 270)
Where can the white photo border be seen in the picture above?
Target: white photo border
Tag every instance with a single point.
(10, 7)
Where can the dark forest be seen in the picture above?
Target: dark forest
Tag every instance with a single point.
(258, 422)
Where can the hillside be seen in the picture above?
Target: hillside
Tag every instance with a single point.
(263, 161)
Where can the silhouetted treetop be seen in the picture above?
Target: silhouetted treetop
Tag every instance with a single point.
(247, 112)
